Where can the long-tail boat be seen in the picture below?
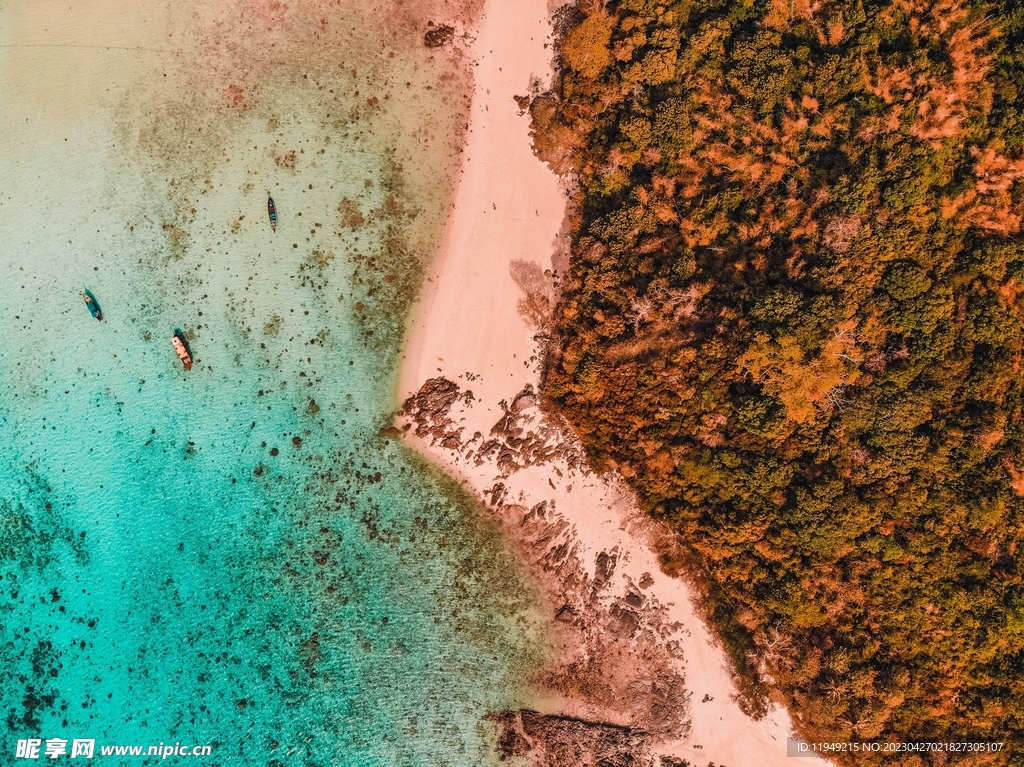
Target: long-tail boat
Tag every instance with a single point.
(92, 304)
(272, 212)
(181, 347)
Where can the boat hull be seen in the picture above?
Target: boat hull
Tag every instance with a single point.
(272, 212)
(92, 304)
(181, 348)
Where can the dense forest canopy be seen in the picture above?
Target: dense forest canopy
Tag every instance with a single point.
(793, 321)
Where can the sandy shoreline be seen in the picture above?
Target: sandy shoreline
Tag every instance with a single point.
(634, 654)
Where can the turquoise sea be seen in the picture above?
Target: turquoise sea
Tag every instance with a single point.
(234, 555)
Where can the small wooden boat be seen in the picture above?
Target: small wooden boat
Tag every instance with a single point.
(181, 347)
(92, 304)
(272, 212)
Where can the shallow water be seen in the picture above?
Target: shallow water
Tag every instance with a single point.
(234, 555)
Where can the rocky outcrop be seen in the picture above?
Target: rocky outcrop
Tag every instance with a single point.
(559, 741)
(435, 37)
(522, 437)
(618, 671)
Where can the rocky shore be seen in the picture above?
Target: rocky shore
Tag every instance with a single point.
(636, 678)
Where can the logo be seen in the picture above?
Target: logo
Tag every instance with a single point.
(85, 748)
(32, 748)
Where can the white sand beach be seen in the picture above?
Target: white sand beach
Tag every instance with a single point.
(623, 623)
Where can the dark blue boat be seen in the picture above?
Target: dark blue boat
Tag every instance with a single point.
(92, 303)
(272, 212)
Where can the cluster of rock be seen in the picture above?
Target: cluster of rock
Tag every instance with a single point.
(618, 672)
(522, 437)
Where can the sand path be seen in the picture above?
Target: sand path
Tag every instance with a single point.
(508, 207)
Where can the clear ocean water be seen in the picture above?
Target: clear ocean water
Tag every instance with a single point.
(234, 555)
